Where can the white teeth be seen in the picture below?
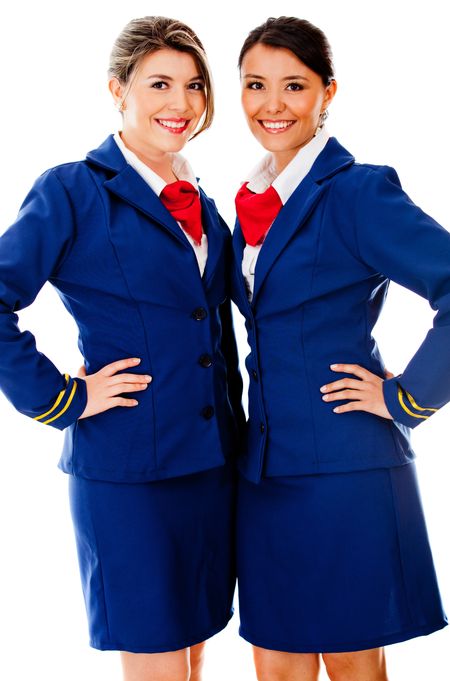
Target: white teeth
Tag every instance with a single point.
(172, 124)
(277, 125)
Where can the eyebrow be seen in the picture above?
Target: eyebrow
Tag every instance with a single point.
(253, 75)
(164, 77)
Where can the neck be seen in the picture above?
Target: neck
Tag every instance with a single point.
(158, 161)
(282, 159)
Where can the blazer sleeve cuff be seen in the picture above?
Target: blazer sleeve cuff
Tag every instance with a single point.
(402, 406)
(68, 405)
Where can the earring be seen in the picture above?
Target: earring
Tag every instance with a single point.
(322, 118)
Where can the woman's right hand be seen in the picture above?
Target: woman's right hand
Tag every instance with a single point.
(105, 386)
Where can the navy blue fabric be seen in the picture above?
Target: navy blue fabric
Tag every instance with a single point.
(335, 562)
(320, 282)
(129, 277)
(155, 579)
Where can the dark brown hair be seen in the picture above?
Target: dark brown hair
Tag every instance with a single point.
(306, 41)
(149, 34)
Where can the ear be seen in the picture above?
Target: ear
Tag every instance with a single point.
(116, 89)
(330, 91)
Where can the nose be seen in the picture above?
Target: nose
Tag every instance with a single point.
(274, 103)
(179, 101)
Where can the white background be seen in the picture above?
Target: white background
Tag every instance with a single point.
(392, 69)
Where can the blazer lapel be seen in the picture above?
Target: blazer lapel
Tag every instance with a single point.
(297, 209)
(239, 292)
(288, 221)
(238, 244)
(131, 187)
(128, 185)
(214, 233)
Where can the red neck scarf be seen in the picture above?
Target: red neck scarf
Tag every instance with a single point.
(256, 212)
(182, 200)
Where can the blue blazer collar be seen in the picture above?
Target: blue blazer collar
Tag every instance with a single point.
(108, 156)
(333, 159)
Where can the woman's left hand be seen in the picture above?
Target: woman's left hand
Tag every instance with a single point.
(364, 392)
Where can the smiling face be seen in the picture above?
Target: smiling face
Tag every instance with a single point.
(163, 103)
(282, 100)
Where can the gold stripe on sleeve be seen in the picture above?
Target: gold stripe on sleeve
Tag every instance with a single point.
(411, 399)
(58, 400)
(66, 406)
(408, 411)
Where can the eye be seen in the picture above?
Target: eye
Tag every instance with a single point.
(295, 87)
(255, 85)
(159, 85)
(199, 86)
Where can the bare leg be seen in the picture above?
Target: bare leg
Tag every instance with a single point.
(272, 665)
(173, 666)
(365, 665)
(197, 654)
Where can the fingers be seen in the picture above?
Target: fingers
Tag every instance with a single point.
(119, 365)
(342, 383)
(122, 402)
(353, 369)
(130, 378)
(344, 395)
(388, 374)
(105, 388)
(365, 394)
(350, 406)
(119, 388)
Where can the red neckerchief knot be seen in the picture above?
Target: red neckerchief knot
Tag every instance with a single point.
(182, 200)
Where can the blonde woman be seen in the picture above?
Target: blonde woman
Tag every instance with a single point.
(139, 257)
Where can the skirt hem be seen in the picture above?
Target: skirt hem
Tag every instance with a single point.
(163, 648)
(346, 647)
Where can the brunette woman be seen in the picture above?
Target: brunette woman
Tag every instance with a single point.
(333, 554)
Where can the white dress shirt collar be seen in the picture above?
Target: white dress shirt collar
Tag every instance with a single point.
(264, 173)
(180, 167)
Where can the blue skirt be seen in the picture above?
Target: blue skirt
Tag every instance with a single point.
(156, 559)
(335, 562)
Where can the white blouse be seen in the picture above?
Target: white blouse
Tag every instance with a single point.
(263, 175)
(183, 171)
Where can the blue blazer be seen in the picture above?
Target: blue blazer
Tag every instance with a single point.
(129, 277)
(320, 283)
